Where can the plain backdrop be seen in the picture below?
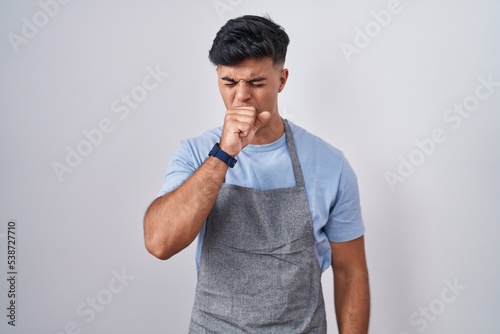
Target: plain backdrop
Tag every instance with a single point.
(393, 84)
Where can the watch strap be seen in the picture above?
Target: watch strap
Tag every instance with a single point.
(222, 156)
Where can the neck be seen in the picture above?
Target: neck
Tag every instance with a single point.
(271, 131)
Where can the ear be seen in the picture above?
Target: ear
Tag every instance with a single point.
(283, 79)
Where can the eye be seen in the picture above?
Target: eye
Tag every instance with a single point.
(256, 85)
(250, 84)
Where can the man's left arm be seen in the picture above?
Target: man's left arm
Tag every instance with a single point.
(351, 286)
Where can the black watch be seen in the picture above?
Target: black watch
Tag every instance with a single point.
(222, 156)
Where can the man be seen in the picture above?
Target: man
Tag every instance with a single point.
(272, 205)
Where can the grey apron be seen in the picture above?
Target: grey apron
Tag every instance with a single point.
(259, 272)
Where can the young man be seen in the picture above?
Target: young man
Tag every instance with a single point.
(273, 206)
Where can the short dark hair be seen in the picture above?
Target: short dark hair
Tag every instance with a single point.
(248, 37)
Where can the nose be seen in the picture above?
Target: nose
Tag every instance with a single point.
(243, 92)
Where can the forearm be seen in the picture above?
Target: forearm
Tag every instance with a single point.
(174, 220)
(352, 301)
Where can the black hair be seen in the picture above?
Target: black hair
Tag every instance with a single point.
(249, 37)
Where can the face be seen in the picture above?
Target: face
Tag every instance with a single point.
(252, 83)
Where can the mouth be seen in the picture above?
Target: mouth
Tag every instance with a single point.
(243, 105)
(246, 106)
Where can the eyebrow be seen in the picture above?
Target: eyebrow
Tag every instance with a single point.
(258, 79)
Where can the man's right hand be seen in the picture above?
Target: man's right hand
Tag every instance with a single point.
(240, 126)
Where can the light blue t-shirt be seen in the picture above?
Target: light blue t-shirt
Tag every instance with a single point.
(331, 184)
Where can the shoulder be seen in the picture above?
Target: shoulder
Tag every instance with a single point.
(206, 139)
(195, 149)
(322, 161)
(188, 157)
(312, 147)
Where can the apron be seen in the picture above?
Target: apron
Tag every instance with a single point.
(258, 271)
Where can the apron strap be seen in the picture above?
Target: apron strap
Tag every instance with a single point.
(297, 170)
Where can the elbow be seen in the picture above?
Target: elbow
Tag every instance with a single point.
(160, 241)
(157, 248)
(160, 253)
(155, 245)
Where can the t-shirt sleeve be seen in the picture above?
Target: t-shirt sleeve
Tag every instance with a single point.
(345, 221)
(180, 167)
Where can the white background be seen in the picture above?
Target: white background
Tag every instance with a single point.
(440, 224)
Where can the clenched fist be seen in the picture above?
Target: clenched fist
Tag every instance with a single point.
(240, 126)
